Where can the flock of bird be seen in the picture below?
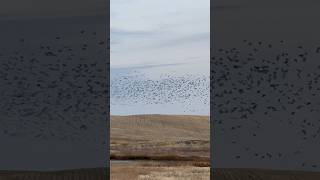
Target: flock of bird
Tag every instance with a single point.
(263, 91)
(136, 88)
(55, 89)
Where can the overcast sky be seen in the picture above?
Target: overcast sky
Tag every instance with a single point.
(152, 41)
(145, 32)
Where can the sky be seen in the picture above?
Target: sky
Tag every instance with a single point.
(153, 41)
(158, 32)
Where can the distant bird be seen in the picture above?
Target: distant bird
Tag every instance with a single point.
(134, 89)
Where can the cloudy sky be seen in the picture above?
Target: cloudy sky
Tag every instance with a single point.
(160, 49)
(145, 32)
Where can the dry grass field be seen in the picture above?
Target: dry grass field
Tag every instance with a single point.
(158, 170)
(160, 137)
(154, 147)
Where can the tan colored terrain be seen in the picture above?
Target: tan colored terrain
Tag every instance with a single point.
(156, 147)
(157, 170)
(160, 137)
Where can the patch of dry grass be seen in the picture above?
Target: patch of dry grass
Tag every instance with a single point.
(155, 170)
(178, 173)
(160, 135)
(172, 147)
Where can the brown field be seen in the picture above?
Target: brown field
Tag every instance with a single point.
(160, 137)
(158, 170)
(154, 147)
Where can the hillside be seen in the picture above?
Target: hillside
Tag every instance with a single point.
(164, 136)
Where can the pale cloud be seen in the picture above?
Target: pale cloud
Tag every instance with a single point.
(155, 41)
(159, 31)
